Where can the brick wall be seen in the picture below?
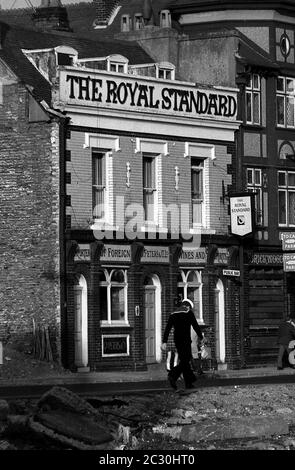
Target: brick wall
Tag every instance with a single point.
(80, 171)
(29, 208)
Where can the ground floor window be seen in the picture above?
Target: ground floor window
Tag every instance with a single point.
(113, 289)
(189, 286)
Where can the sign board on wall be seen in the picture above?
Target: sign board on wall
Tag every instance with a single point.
(289, 261)
(288, 240)
(221, 256)
(193, 255)
(231, 272)
(241, 214)
(155, 254)
(82, 253)
(116, 253)
(115, 345)
(272, 259)
(133, 93)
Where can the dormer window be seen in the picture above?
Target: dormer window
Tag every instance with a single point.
(165, 71)
(117, 64)
(125, 23)
(165, 19)
(138, 21)
(65, 55)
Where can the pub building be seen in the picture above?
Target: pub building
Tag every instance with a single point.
(147, 220)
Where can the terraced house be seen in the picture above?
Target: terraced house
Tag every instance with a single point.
(112, 201)
(250, 47)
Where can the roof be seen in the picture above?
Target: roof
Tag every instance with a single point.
(17, 39)
(188, 6)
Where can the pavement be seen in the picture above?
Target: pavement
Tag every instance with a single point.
(155, 373)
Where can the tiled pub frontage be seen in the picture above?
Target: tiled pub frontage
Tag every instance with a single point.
(120, 295)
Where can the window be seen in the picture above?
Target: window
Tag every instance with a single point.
(286, 195)
(253, 98)
(285, 102)
(98, 184)
(113, 296)
(138, 21)
(125, 23)
(149, 187)
(254, 184)
(197, 186)
(165, 19)
(165, 71)
(189, 285)
(117, 64)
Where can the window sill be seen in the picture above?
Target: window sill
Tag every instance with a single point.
(202, 230)
(114, 324)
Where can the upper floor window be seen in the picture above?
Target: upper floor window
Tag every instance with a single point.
(138, 21)
(285, 101)
(197, 187)
(286, 198)
(165, 19)
(98, 185)
(117, 63)
(165, 71)
(253, 100)
(113, 296)
(125, 23)
(254, 184)
(149, 187)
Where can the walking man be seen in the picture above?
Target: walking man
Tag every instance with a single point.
(285, 335)
(182, 319)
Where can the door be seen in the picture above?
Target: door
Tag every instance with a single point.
(219, 323)
(150, 317)
(81, 323)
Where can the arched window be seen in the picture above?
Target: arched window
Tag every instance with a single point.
(189, 285)
(113, 296)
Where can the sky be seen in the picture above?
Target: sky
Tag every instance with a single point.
(7, 4)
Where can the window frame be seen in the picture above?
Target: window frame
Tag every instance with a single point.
(99, 188)
(185, 284)
(285, 96)
(256, 187)
(285, 189)
(251, 91)
(198, 168)
(153, 189)
(109, 284)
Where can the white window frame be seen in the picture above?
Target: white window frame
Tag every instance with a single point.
(184, 284)
(138, 21)
(285, 95)
(167, 69)
(253, 90)
(125, 25)
(198, 201)
(254, 184)
(117, 61)
(285, 189)
(108, 283)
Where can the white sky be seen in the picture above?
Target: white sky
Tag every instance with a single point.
(7, 4)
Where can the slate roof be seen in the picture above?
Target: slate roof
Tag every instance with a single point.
(20, 38)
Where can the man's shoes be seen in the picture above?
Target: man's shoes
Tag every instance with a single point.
(280, 368)
(172, 382)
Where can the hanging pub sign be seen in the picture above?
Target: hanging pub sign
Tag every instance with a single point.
(241, 214)
(288, 241)
(289, 262)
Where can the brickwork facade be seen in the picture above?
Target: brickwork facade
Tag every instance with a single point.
(29, 207)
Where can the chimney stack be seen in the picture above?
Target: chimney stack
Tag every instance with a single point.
(51, 16)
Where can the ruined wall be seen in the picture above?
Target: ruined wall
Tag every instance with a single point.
(29, 222)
